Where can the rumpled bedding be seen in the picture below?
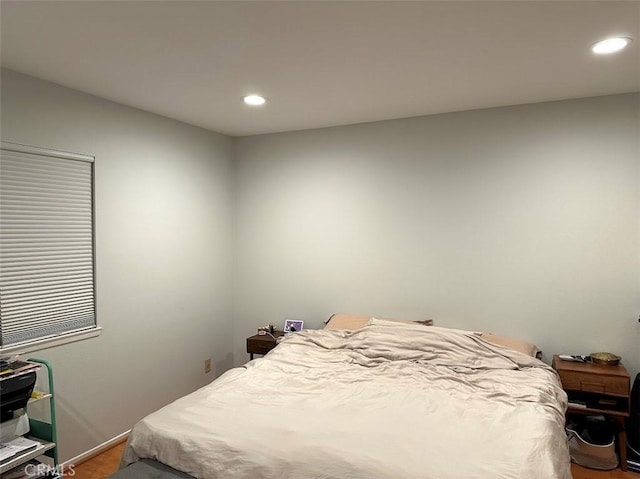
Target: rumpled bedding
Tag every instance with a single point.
(385, 401)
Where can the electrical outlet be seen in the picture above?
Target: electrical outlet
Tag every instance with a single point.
(207, 365)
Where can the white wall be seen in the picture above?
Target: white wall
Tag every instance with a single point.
(164, 206)
(522, 221)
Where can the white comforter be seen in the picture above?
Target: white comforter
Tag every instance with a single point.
(386, 401)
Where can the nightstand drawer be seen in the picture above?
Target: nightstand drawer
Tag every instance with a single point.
(260, 347)
(262, 344)
(595, 384)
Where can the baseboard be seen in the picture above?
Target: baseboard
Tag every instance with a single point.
(85, 456)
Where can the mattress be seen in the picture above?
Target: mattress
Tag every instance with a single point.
(386, 401)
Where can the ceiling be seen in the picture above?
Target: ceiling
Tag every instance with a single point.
(321, 63)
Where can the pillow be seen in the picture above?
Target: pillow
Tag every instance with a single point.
(419, 325)
(347, 321)
(529, 349)
(354, 321)
(423, 322)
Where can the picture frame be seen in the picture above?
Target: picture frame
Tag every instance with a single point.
(293, 326)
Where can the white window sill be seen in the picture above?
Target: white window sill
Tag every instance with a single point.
(46, 343)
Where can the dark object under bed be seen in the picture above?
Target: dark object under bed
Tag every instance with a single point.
(148, 469)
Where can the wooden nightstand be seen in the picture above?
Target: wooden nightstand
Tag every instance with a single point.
(257, 344)
(604, 389)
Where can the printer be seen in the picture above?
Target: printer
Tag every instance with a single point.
(15, 391)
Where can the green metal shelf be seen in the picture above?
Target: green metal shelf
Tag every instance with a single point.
(41, 431)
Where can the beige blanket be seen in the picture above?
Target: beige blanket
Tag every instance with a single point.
(386, 401)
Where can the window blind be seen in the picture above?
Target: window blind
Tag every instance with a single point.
(47, 274)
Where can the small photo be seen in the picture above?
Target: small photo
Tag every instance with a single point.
(292, 326)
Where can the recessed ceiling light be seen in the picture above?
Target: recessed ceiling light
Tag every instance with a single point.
(254, 100)
(610, 45)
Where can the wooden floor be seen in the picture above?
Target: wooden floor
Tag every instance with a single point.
(105, 464)
(583, 473)
(100, 466)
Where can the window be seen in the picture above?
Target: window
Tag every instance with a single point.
(47, 270)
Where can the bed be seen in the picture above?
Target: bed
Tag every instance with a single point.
(387, 400)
